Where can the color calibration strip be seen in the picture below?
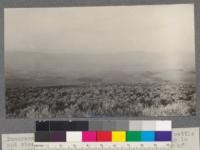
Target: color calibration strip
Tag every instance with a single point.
(183, 139)
(103, 136)
(125, 125)
(104, 131)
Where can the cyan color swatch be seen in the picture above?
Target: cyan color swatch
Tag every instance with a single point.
(148, 136)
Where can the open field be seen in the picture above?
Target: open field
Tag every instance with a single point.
(135, 61)
(102, 100)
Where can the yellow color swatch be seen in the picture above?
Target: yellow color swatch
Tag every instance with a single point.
(118, 136)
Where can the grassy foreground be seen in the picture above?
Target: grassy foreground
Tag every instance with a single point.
(101, 100)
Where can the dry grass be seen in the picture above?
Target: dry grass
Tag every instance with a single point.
(179, 108)
(113, 100)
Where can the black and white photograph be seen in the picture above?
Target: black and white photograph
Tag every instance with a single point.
(100, 61)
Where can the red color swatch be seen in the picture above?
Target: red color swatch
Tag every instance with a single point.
(104, 136)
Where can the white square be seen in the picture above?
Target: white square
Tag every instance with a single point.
(164, 125)
(74, 136)
(148, 125)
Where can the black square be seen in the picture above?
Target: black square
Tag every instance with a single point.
(42, 125)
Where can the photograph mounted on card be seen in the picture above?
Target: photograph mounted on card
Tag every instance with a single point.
(102, 61)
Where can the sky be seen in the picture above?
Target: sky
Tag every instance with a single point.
(149, 28)
(92, 40)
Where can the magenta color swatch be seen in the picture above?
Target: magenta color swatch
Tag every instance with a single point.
(89, 136)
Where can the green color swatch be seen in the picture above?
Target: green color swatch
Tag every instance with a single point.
(133, 136)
